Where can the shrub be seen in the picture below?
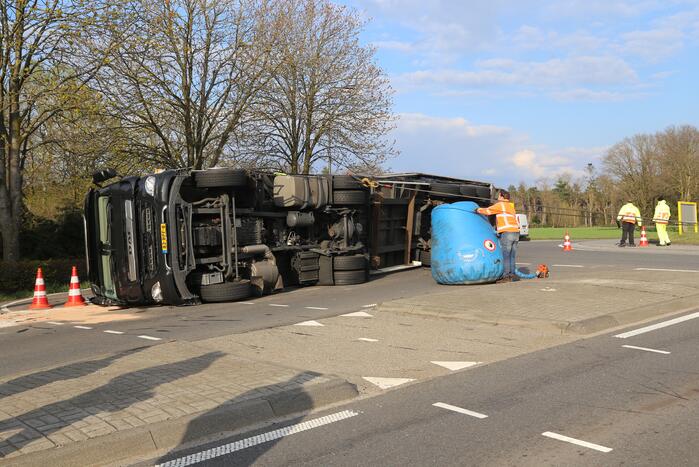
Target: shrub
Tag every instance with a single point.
(19, 276)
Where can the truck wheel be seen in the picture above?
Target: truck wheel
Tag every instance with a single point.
(221, 178)
(469, 190)
(350, 277)
(350, 197)
(349, 263)
(346, 182)
(225, 292)
(444, 189)
(483, 192)
(426, 258)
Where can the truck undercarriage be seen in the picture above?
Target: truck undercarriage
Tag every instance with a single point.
(182, 237)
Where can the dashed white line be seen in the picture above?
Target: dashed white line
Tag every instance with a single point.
(567, 265)
(82, 327)
(247, 303)
(369, 305)
(665, 270)
(358, 314)
(258, 439)
(315, 308)
(55, 322)
(585, 444)
(113, 332)
(523, 264)
(367, 339)
(454, 408)
(664, 352)
(150, 338)
(277, 304)
(653, 327)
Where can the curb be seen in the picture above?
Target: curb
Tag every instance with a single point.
(630, 316)
(170, 436)
(582, 327)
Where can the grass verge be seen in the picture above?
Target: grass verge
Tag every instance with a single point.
(597, 233)
(50, 288)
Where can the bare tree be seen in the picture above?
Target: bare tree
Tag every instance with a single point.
(634, 163)
(680, 162)
(48, 50)
(327, 100)
(183, 80)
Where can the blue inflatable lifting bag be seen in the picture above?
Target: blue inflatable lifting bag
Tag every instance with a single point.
(465, 249)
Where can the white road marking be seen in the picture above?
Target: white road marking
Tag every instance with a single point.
(453, 366)
(246, 303)
(664, 352)
(309, 323)
(523, 264)
(258, 439)
(315, 308)
(666, 270)
(653, 327)
(150, 338)
(584, 444)
(548, 289)
(567, 266)
(114, 332)
(371, 305)
(387, 383)
(367, 339)
(82, 327)
(55, 322)
(454, 408)
(277, 304)
(358, 314)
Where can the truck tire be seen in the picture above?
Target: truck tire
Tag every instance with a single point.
(350, 277)
(221, 178)
(444, 189)
(350, 197)
(469, 190)
(346, 182)
(426, 258)
(349, 263)
(225, 292)
(483, 192)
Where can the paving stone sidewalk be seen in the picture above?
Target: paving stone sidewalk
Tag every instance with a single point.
(90, 399)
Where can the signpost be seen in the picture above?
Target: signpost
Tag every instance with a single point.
(687, 214)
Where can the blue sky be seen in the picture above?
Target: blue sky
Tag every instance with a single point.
(510, 91)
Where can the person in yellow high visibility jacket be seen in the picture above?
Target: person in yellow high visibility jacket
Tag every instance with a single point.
(629, 215)
(661, 218)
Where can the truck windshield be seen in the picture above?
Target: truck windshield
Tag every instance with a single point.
(104, 215)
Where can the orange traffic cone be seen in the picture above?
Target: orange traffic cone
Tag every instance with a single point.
(75, 296)
(39, 301)
(567, 245)
(644, 239)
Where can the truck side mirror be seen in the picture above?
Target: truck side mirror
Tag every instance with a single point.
(103, 175)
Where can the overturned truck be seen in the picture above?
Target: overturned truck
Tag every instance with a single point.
(191, 236)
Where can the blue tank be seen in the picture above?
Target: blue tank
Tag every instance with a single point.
(465, 249)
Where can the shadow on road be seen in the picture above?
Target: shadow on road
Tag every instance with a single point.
(61, 373)
(118, 394)
(295, 401)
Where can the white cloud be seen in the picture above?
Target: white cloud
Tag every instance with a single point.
(653, 45)
(457, 147)
(545, 163)
(581, 94)
(554, 74)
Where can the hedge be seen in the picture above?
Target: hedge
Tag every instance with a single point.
(20, 276)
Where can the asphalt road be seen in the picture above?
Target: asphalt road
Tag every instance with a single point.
(637, 407)
(30, 347)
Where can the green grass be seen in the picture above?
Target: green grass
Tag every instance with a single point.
(597, 233)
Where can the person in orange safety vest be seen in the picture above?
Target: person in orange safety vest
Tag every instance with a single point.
(508, 230)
